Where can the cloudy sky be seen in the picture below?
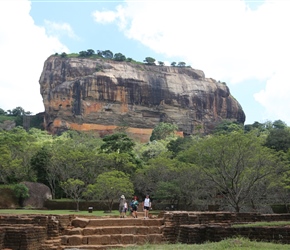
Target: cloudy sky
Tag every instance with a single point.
(243, 43)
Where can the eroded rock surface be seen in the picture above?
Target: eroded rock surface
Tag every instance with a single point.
(103, 95)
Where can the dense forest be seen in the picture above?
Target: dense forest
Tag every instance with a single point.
(236, 167)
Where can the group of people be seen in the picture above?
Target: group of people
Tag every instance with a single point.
(133, 207)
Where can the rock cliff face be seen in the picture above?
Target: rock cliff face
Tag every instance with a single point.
(104, 95)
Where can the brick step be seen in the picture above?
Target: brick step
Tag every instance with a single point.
(51, 244)
(83, 222)
(75, 240)
(17, 220)
(114, 230)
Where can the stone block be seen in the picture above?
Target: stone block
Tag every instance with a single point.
(75, 240)
(140, 239)
(127, 239)
(99, 240)
(130, 230)
(155, 238)
(142, 230)
(112, 230)
(74, 231)
(116, 239)
(64, 240)
(91, 231)
(80, 222)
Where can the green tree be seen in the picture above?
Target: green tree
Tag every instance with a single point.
(163, 130)
(8, 164)
(173, 64)
(71, 159)
(161, 63)
(234, 164)
(152, 150)
(107, 54)
(278, 139)
(63, 55)
(40, 162)
(181, 64)
(100, 53)
(18, 147)
(109, 186)
(149, 61)
(72, 155)
(118, 142)
(21, 192)
(159, 169)
(169, 191)
(129, 59)
(83, 53)
(179, 144)
(90, 52)
(119, 57)
(227, 126)
(2, 112)
(74, 188)
(256, 125)
(18, 111)
(278, 124)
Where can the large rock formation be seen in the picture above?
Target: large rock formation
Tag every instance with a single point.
(98, 94)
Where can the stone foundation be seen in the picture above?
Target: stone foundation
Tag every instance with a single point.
(51, 232)
(199, 227)
(30, 232)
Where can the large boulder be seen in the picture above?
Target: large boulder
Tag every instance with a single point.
(104, 95)
(38, 194)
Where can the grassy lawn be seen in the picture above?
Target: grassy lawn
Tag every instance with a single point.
(235, 243)
(58, 212)
(264, 224)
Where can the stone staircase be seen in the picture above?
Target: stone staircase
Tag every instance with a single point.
(106, 233)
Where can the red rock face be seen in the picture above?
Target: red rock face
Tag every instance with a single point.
(103, 95)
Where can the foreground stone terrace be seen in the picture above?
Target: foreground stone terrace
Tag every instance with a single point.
(64, 232)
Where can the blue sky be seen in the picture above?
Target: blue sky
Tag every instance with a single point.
(243, 43)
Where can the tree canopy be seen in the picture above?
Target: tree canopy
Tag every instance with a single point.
(163, 130)
(234, 167)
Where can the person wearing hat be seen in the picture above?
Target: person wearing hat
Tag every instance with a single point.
(122, 202)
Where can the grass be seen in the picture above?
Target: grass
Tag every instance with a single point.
(264, 224)
(58, 212)
(6, 117)
(234, 243)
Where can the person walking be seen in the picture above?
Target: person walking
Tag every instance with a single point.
(134, 206)
(125, 208)
(122, 202)
(146, 206)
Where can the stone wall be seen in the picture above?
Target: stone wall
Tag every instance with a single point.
(29, 232)
(23, 237)
(33, 232)
(199, 227)
(2, 234)
(198, 234)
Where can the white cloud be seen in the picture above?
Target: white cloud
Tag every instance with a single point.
(23, 48)
(105, 16)
(59, 29)
(275, 96)
(226, 39)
